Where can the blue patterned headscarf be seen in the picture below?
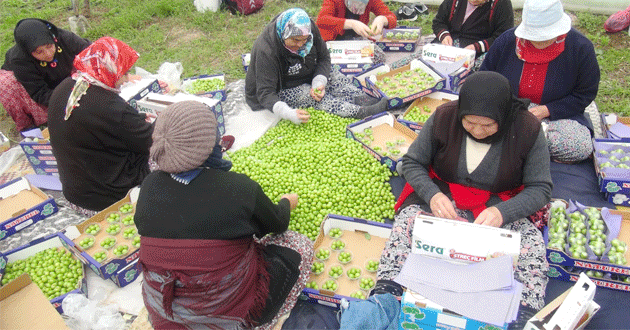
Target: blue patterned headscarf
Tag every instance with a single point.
(295, 22)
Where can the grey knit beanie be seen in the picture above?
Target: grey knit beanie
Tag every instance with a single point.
(183, 136)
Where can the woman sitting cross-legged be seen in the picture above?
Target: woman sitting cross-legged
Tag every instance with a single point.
(484, 159)
(208, 261)
(290, 70)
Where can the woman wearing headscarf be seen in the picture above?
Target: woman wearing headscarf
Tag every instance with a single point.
(207, 260)
(555, 66)
(100, 142)
(290, 70)
(482, 159)
(40, 60)
(348, 20)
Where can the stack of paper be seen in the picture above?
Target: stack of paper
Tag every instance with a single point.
(484, 291)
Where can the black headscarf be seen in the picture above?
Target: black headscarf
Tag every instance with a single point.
(488, 94)
(31, 33)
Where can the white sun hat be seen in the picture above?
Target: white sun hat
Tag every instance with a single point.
(543, 20)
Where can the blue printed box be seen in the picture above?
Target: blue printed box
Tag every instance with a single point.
(219, 94)
(358, 80)
(351, 57)
(427, 106)
(132, 92)
(127, 275)
(40, 154)
(612, 164)
(113, 264)
(34, 205)
(364, 239)
(572, 274)
(417, 312)
(399, 39)
(395, 98)
(35, 246)
(384, 128)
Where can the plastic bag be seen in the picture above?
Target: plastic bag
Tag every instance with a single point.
(86, 314)
(169, 73)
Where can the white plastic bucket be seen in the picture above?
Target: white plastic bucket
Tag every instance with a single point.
(211, 5)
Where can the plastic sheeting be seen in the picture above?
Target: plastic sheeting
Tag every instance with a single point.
(607, 7)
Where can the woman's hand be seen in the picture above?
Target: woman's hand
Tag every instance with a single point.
(442, 207)
(490, 217)
(303, 116)
(377, 24)
(318, 93)
(293, 200)
(447, 41)
(540, 112)
(471, 47)
(359, 27)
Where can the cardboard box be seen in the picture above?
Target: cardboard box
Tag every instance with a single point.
(571, 310)
(127, 275)
(132, 92)
(388, 43)
(453, 62)
(610, 119)
(618, 199)
(432, 101)
(219, 95)
(365, 239)
(245, 58)
(461, 242)
(385, 129)
(24, 306)
(565, 267)
(21, 205)
(5, 144)
(39, 153)
(612, 168)
(358, 80)
(417, 312)
(394, 102)
(30, 249)
(114, 264)
(153, 104)
(351, 57)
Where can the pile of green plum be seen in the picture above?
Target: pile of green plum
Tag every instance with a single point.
(312, 285)
(330, 285)
(397, 35)
(129, 233)
(583, 235)
(126, 208)
(615, 158)
(329, 172)
(344, 257)
(136, 241)
(366, 283)
(335, 232)
(93, 229)
(113, 229)
(53, 270)
(128, 220)
(405, 83)
(201, 86)
(418, 115)
(357, 295)
(113, 217)
(335, 271)
(317, 268)
(354, 273)
(337, 245)
(87, 242)
(322, 254)
(120, 250)
(100, 256)
(108, 242)
(371, 266)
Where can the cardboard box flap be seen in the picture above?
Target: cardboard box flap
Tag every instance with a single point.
(14, 187)
(24, 306)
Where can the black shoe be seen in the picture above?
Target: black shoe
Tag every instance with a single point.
(421, 9)
(363, 100)
(387, 286)
(407, 13)
(370, 110)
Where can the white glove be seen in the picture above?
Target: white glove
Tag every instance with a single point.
(284, 111)
(318, 81)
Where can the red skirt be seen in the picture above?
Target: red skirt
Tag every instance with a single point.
(25, 112)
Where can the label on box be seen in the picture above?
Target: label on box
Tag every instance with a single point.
(442, 53)
(351, 51)
(462, 242)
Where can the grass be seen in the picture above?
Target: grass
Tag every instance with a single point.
(212, 42)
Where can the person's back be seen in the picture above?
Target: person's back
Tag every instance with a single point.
(102, 150)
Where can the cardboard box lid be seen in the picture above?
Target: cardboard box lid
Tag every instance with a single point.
(27, 307)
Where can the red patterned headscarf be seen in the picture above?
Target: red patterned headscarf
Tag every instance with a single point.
(102, 64)
(106, 60)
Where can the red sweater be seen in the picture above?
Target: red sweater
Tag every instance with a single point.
(332, 17)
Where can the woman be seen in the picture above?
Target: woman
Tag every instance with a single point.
(452, 171)
(348, 20)
(290, 70)
(555, 66)
(472, 24)
(100, 142)
(40, 60)
(207, 263)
